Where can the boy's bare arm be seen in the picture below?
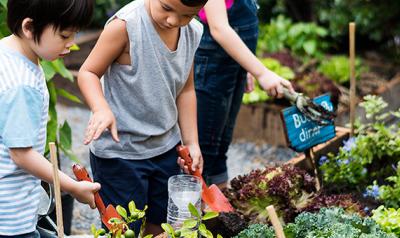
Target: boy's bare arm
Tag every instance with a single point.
(223, 33)
(109, 46)
(35, 164)
(187, 114)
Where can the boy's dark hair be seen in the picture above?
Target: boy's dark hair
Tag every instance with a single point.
(62, 14)
(194, 3)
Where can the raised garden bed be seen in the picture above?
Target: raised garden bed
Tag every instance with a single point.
(262, 123)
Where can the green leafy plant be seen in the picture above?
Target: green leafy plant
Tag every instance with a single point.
(369, 156)
(367, 15)
(192, 227)
(258, 94)
(289, 189)
(257, 230)
(61, 134)
(390, 194)
(337, 68)
(4, 31)
(388, 219)
(334, 222)
(121, 228)
(302, 39)
(272, 36)
(307, 39)
(327, 223)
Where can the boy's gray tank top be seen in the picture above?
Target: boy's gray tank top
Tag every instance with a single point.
(143, 95)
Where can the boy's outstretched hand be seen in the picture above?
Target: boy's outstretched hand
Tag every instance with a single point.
(84, 192)
(273, 84)
(197, 158)
(100, 121)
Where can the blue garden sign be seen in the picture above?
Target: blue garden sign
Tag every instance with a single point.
(302, 133)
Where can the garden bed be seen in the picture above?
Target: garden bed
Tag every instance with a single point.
(261, 122)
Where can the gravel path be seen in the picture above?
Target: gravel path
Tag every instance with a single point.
(242, 158)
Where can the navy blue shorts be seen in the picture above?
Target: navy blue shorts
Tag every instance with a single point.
(34, 234)
(142, 181)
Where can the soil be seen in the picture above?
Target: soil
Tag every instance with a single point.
(227, 224)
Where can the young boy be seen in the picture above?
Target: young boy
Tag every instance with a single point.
(40, 29)
(146, 54)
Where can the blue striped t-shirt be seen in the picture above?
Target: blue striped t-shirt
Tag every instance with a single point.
(24, 104)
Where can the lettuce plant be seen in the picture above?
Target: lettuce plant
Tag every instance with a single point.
(287, 188)
(388, 219)
(337, 68)
(290, 189)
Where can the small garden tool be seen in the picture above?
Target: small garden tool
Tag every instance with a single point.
(212, 195)
(105, 213)
(308, 108)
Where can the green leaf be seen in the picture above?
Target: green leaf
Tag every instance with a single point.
(75, 47)
(48, 70)
(3, 3)
(310, 47)
(204, 232)
(219, 236)
(60, 68)
(100, 232)
(68, 95)
(189, 224)
(65, 136)
(132, 207)
(210, 215)
(192, 234)
(169, 229)
(70, 154)
(149, 236)
(93, 229)
(122, 211)
(193, 210)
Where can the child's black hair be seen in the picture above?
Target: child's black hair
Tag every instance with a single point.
(61, 14)
(194, 3)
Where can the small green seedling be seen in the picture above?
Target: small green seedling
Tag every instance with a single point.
(192, 227)
(121, 227)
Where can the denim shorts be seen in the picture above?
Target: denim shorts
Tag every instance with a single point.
(220, 83)
(143, 181)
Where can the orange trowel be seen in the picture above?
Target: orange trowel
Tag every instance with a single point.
(212, 195)
(105, 213)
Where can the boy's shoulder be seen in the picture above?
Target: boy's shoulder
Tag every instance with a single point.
(194, 31)
(129, 10)
(15, 71)
(196, 26)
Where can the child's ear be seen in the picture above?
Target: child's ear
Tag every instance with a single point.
(27, 28)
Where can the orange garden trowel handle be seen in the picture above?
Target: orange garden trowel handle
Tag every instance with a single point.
(82, 175)
(183, 152)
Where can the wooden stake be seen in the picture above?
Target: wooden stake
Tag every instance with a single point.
(275, 222)
(352, 29)
(57, 190)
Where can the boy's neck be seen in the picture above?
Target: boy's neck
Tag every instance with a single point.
(20, 45)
